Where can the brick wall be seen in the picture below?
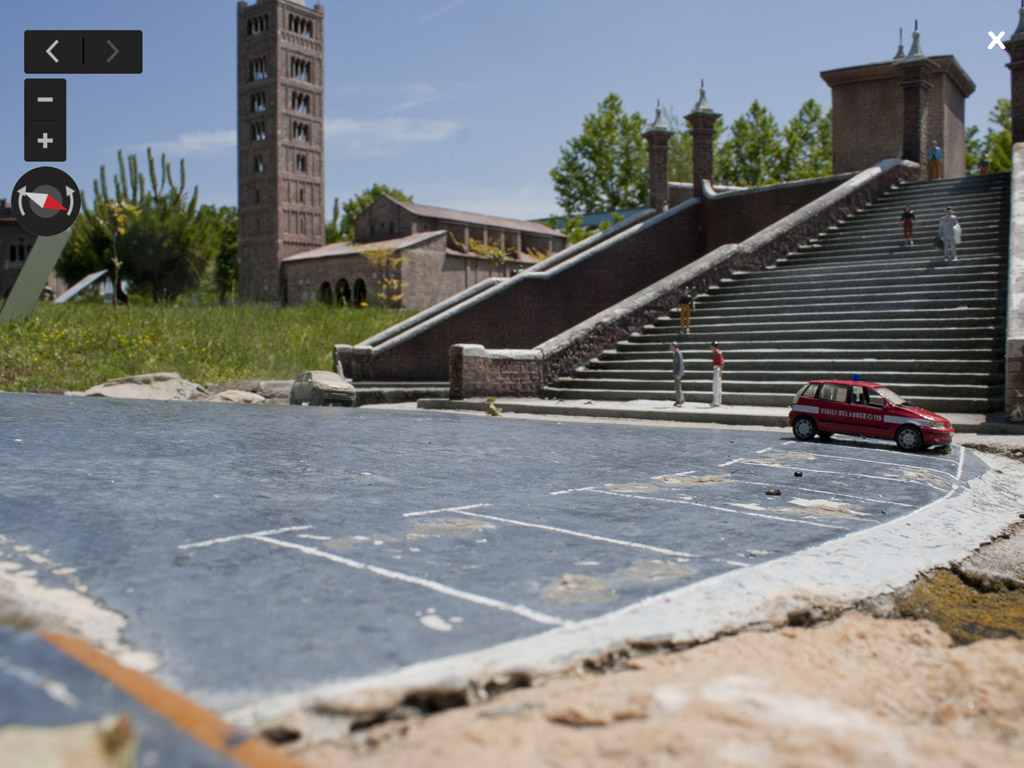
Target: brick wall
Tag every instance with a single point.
(536, 305)
(735, 216)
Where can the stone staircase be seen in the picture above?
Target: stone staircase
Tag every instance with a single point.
(854, 300)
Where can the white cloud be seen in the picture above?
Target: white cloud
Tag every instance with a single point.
(429, 16)
(198, 142)
(417, 94)
(385, 137)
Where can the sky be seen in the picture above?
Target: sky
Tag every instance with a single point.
(465, 103)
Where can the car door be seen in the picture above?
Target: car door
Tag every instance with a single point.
(866, 411)
(833, 413)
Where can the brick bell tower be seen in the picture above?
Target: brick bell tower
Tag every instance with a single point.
(280, 140)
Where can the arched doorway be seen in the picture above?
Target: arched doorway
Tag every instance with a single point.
(344, 293)
(359, 293)
(326, 296)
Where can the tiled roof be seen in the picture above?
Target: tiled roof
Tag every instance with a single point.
(476, 219)
(354, 249)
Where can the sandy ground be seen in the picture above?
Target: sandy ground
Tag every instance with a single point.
(856, 691)
(859, 691)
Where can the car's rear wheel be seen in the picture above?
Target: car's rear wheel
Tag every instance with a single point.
(804, 428)
(909, 438)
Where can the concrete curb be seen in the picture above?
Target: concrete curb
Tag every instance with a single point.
(831, 575)
(695, 413)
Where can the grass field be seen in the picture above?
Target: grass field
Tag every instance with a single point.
(76, 345)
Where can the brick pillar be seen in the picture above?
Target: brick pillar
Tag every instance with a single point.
(1015, 47)
(657, 159)
(702, 127)
(915, 68)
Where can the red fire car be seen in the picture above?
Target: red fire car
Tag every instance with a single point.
(827, 406)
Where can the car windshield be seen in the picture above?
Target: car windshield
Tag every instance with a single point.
(891, 396)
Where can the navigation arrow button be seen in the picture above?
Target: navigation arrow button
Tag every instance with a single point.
(116, 51)
(49, 51)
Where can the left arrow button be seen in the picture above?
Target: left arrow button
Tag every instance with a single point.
(49, 51)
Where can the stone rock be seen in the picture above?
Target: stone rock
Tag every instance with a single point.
(148, 386)
(235, 396)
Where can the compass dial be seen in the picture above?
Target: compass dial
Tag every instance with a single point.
(46, 201)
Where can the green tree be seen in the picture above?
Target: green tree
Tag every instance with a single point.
(975, 149)
(167, 241)
(572, 227)
(998, 144)
(342, 228)
(808, 149)
(680, 147)
(605, 167)
(752, 155)
(225, 257)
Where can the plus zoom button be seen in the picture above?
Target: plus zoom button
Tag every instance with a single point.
(83, 52)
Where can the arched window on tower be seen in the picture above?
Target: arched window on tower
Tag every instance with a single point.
(301, 69)
(259, 132)
(300, 102)
(258, 102)
(258, 69)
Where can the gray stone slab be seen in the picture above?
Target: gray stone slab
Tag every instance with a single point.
(262, 552)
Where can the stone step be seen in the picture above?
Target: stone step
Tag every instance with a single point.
(840, 291)
(982, 297)
(907, 329)
(852, 300)
(953, 307)
(951, 272)
(774, 386)
(982, 339)
(702, 394)
(892, 248)
(702, 368)
(963, 346)
(984, 366)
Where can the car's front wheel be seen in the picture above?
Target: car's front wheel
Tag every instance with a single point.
(804, 428)
(909, 438)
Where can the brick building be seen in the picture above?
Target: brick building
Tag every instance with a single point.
(280, 140)
(15, 244)
(434, 246)
(867, 110)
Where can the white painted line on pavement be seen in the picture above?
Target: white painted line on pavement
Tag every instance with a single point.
(722, 509)
(763, 450)
(573, 490)
(734, 461)
(567, 532)
(667, 474)
(312, 536)
(884, 463)
(222, 540)
(850, 474)
(443, 510)
(830, 493)
(521, 610)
